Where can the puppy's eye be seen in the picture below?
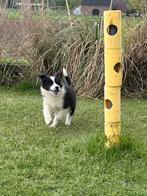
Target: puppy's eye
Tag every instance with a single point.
(58, 81)
(50, 82)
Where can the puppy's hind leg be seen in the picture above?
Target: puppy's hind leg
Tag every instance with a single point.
(68, 119)
(69, 115)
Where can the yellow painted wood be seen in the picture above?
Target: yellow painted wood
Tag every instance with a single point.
(112, 17)
(113, 95)
(112, 58)
(112, 131)
(113, 75)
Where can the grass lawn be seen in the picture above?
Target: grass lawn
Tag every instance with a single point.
(37, 160)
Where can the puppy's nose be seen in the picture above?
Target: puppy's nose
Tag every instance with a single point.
(57, 88)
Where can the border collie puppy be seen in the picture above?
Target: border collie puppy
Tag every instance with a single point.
(59, 98)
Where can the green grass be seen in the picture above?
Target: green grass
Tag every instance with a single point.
(37, 160)
(61, 15)
(13, 61)
(52, 15)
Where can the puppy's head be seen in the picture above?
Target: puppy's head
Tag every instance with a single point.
(53, 84)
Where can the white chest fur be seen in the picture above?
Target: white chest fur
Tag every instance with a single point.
(54, 102)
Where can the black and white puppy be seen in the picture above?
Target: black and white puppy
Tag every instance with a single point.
(59, 99)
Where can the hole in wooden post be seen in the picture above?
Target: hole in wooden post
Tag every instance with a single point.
(108, 104)
(112, 29)
(117, 67)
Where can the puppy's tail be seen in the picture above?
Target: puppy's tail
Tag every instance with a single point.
(67, 79)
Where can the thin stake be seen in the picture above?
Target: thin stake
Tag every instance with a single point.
(68, 11)
(111, 4)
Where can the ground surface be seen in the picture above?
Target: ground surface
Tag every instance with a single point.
(36, 160)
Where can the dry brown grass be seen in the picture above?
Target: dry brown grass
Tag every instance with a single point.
(77, 49)
(135, 60)
(48, 46)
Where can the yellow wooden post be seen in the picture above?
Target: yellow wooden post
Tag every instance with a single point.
(113, 75)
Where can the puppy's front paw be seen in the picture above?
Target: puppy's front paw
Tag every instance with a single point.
(68, 123)
(53, 125)
(48, 121)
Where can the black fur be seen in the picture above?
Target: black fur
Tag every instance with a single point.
(46, 81)
(70, 99)
(67, 81)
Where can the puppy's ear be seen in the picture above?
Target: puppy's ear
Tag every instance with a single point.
(59, 75)
(43, 78)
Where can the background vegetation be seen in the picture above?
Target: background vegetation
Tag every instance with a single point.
(138, 5)
(33, 42)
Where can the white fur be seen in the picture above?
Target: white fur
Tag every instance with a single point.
(53, 107)
(68, 119)
(53, 87)
(65, 72)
